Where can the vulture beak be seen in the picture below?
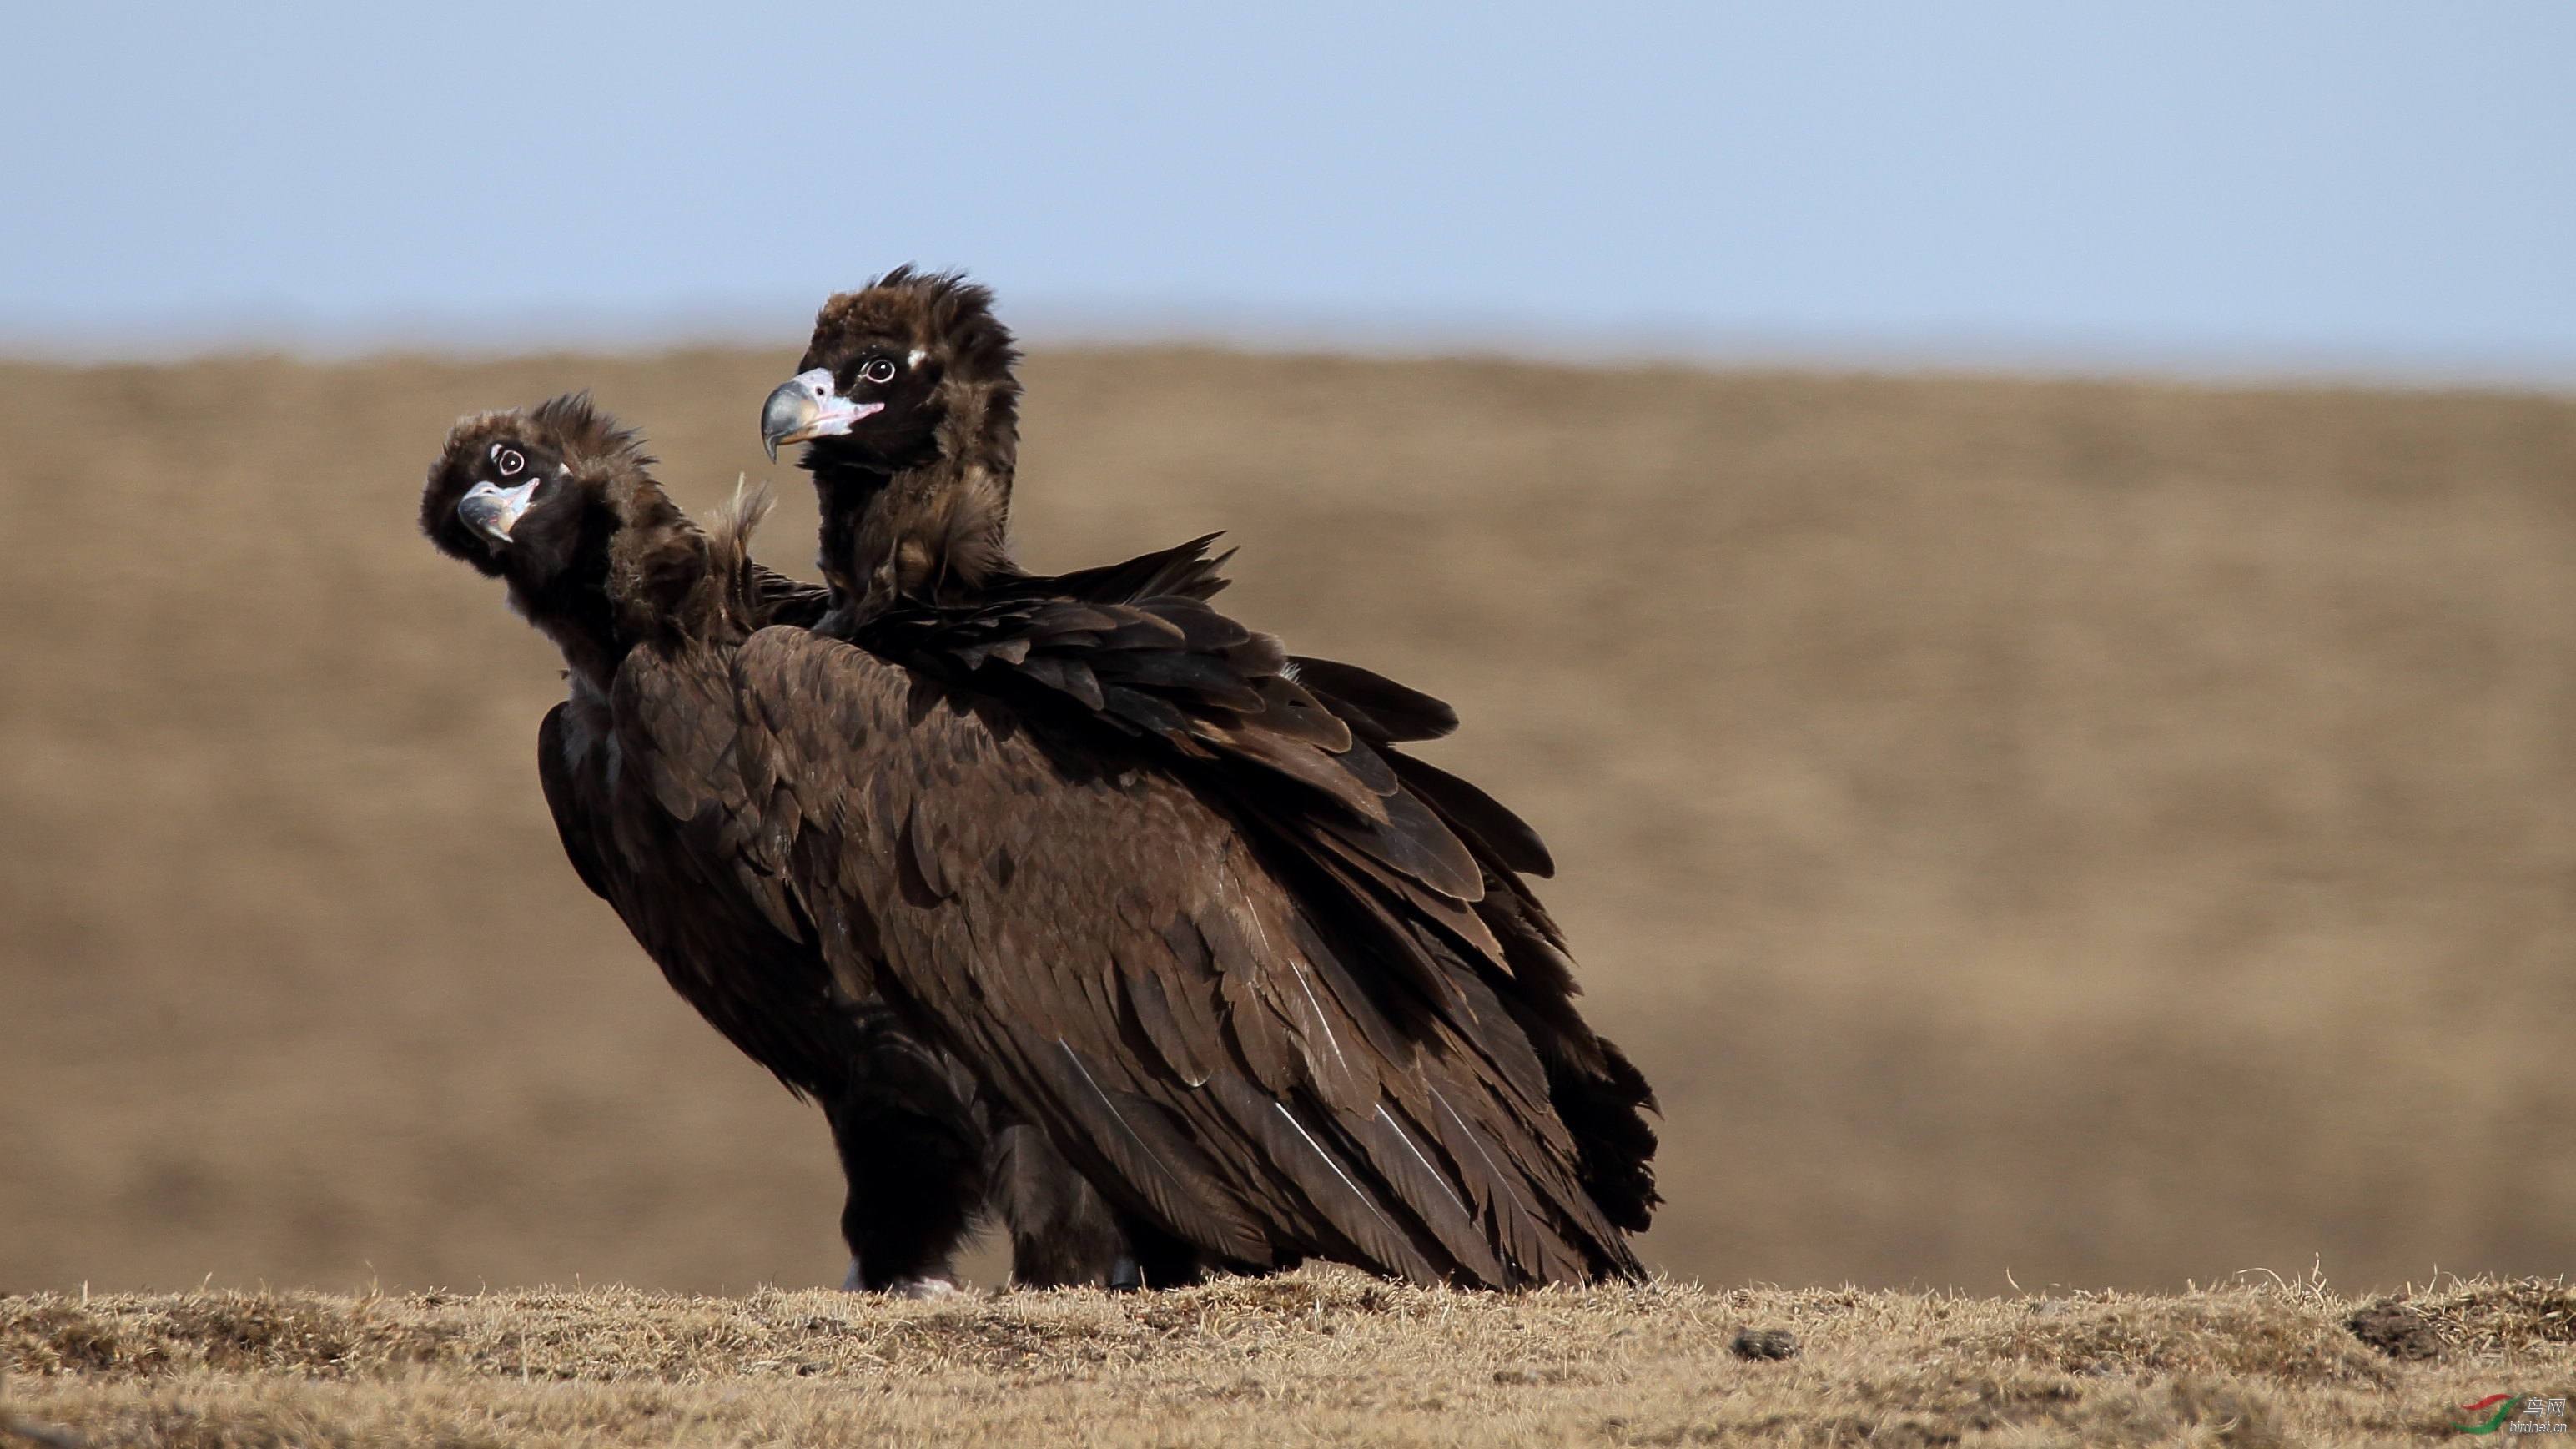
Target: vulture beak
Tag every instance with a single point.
(493, 511)
(805, 408)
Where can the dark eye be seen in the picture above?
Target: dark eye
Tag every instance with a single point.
(878, 370)
(509, 460)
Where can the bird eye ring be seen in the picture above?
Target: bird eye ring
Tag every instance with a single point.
(878, 370)
(509, 460)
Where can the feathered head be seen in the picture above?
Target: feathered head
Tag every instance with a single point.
(558, 500)
(912, 366)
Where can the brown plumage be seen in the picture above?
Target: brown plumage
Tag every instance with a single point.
(1277, 987)
(647, 610)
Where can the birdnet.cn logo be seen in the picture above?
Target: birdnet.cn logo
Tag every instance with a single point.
(2514, 1414)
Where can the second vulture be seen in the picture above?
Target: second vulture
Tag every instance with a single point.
(1181, 900)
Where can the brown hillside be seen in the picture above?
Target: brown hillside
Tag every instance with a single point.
(2103, 833)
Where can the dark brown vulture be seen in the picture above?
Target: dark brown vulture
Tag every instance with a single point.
(1277, 987)
(646, 608)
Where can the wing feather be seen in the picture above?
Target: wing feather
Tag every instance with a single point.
(1385, 710)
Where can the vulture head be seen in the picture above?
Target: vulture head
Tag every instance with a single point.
(911, 368)
(910, 413)
(557, 500)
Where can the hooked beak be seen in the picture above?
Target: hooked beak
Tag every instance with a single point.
(805, 408)
(493, 511)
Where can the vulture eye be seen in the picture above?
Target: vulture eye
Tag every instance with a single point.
(509, 459)
(879, 370)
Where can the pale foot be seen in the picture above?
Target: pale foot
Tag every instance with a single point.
(927, 1289)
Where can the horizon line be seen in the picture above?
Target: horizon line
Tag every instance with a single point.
(1426, 334)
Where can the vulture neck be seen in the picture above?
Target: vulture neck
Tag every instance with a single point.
(619, 594)
(933, 530)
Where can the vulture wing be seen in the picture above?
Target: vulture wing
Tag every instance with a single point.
(725, 937)
(1303, 753)
(573, 798)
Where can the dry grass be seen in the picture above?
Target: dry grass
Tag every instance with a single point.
(1318, 1358)
(2104, 833)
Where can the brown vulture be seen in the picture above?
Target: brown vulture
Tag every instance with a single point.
(1276, 986)
(647, 608)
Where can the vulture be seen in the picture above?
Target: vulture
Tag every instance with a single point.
(1278, 988)
(647, 608)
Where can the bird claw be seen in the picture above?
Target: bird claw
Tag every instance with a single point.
(924, 1289)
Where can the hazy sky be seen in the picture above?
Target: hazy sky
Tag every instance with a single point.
(2341, 184)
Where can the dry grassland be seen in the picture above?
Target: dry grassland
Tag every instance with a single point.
(1317, 1358)
(2103, 833)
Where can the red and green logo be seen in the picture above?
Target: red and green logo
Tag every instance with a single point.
(2503, 1404)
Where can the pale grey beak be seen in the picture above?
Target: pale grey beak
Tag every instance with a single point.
(493, 511)
(805, 408)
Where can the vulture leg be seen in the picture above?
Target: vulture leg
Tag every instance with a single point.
(921, 1161)
(1159, 1259)
(1065, 1235)
(1062, 1234)
(914, 1152)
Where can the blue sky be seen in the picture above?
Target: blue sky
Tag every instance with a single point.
(2341, 186)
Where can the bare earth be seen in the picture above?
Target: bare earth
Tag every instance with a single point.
(1317, 1358)
(2101, 834)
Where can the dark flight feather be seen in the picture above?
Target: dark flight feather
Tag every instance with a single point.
(1384, 711)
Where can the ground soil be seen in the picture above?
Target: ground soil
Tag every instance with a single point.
(1316, 1358)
